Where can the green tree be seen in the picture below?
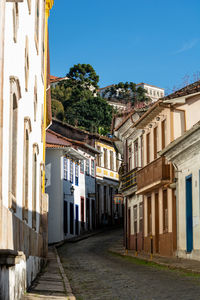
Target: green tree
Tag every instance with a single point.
(82, 107)
(84, 75)
(126, 92)
(57, 109)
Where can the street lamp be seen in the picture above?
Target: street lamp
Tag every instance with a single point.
(71, 192)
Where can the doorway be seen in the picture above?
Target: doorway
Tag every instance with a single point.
(189, 225)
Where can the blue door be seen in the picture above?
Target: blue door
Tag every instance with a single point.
(189, 225)
(76, 224)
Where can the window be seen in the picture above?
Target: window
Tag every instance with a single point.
(42, 38)
(29, 6)
(149, 215)
(82, 166)
(87, 167)
(99, 156)
(15, 95)
(26, 64)
(34, 184)
(155, 137)
(92, 168)
(15, 21)
(111, 161)
(117, 162)
(76, 174)
(129, 157)
(71, 171)
(105, 156)
(37, 15)
(65, 168)
(163, 129)
(141, 149)
(27, 130)
(35, 99)
(136, 154)
(148, 147)
(165, 212)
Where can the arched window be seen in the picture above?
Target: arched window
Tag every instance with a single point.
(15, 95)
(27, 130)
(34, 184)
(15, 21)
(29, 6)
(35, 99)
(37, 19)
(26, 64)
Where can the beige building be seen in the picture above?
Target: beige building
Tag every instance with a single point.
(165, 121)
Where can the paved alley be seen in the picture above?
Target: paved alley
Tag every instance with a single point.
(95, 273)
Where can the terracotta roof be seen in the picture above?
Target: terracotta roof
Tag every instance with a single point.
(54, 146)
(56, 79)
(106, 87)
(55, 138)
(187, 90)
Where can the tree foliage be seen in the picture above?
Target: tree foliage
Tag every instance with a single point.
(126, 92)
(57, 109)
(82, 107)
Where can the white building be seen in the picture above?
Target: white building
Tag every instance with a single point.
(70, 184)
(184, 153)
(23, 205)
(152, 91)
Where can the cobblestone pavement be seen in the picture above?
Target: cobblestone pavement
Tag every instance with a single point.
(94, 273)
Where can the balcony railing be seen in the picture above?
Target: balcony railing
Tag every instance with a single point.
(155, 172)
(129, 180)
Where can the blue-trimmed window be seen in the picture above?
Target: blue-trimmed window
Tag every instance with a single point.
(76, 174)
(71, 171)
(82, 166)
(87, 167)
(92, 168)
(65, 168)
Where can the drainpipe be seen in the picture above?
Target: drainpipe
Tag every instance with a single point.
(48, 6)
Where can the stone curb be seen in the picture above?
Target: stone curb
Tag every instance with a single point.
(67, 286)
(159, 263)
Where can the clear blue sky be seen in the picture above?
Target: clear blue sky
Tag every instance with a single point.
(152, 41)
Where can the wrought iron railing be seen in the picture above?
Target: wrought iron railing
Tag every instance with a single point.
(128, 180)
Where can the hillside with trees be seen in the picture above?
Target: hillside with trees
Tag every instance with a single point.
(77, 102)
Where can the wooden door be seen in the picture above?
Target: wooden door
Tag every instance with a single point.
(156, 223)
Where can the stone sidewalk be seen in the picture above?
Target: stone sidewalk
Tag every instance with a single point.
(185, 265)
(52, 282)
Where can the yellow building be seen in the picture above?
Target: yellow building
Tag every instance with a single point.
(107, 180)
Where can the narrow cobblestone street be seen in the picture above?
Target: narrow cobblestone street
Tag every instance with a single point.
(95, 273)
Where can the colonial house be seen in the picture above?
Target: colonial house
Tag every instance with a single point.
(24, 113)
(165, 121)
(132, 140)
(184, 153)
(70, 184)
(107, 179)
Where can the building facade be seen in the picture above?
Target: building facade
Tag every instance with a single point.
(184, 153)
(23, 204)
(70, 184)
(107, 179)
(165, 121)
(132, 141)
